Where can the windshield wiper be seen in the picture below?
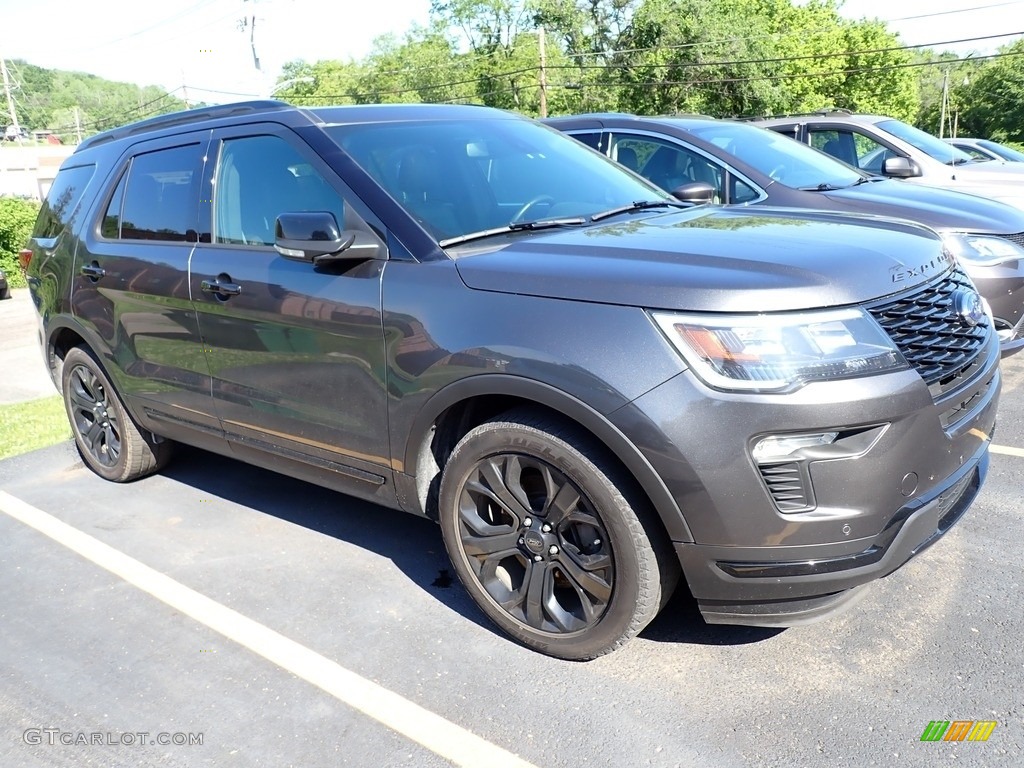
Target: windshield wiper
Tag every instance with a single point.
(638, 205)
(515, 226)
(823, 187)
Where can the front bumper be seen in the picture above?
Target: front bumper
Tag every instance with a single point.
(796, 586)
(916, 465)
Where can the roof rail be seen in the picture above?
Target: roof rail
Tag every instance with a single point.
(184, 117)
(818, 113)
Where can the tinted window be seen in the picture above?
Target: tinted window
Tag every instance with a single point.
(458, 177)
(159, 197)
(259, 178)
(591, 139)
(852, 147)
(787, 161)
(111, 225)
(936, 148)
(1007, 153)
(62, 200)
(667, 164)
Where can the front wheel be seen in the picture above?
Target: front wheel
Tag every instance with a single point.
(109, 441)
(541, 533)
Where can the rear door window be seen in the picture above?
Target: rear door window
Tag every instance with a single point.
(156, 197)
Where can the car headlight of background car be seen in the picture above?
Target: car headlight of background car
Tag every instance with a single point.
(982, 250)
(780, 352)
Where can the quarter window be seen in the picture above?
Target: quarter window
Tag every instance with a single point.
(62, 200)
(259, 178)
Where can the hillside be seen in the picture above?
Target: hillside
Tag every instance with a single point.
(47, 99)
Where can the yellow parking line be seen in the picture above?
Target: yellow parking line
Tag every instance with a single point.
(420, 725)
(1007, 450)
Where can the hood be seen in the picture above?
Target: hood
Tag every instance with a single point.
(712, 259)
(938, 208)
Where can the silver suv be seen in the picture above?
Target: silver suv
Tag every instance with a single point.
(887, 147)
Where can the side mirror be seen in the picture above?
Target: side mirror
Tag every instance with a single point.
(313, 237)
(900, 168)
(695, 193)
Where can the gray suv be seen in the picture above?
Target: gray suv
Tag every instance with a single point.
(461, 313)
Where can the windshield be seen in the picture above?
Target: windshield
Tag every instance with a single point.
(458, 177)
(1002, 150)
(931, 146)
(787, 161)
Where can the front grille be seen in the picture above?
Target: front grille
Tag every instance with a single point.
(788, 485)
(1018, 238)
(926, 328)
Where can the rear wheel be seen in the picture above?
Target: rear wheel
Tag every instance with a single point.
(109, 441)
(540, 530)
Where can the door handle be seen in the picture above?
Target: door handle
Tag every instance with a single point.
(222, 287)
(93, 271)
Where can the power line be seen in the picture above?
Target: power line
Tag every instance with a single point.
(761, 78)
(684, 64)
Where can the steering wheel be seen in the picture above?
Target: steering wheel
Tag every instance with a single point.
(538, 200)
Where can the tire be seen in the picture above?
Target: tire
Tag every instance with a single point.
(550, 538)
(5, 292)
(107, 438)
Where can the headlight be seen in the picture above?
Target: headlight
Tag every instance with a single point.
(982, 250)
(779, 352)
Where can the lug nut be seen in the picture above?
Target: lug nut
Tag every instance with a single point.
(552, 550)
(537, 558)
(527, 522)
(520, 539)
(546, 528)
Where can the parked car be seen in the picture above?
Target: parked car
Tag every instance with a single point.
(15, 133)
(5, 288)
(883, 146)
(464, 314)
(983, 149)
(747, 165)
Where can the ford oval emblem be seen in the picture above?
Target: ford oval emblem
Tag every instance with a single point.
(969, 307)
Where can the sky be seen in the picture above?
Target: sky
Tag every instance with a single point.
(201, 47)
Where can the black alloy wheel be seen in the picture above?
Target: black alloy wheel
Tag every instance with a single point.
(535, 544)
(539, 530)
(108, 440)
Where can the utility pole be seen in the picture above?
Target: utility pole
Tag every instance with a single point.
(945, 101)
(543, 76)
(10, 99)
(78, 125)
(184, 91)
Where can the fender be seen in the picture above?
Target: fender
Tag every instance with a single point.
(557, 400)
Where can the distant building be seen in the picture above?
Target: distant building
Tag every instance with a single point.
(28, 171)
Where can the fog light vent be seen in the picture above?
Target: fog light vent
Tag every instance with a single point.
(788, 486)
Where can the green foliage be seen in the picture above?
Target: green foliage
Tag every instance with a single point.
(48, 99)
(29, 426)
(17, 216)
(994, 99)
(719, 57)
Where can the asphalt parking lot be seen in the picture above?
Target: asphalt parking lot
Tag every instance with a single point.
(221, 615)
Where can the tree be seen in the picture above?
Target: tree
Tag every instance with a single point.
(994, 99)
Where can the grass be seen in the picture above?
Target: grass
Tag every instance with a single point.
(36, 424)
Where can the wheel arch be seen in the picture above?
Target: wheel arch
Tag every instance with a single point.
(464, 404)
